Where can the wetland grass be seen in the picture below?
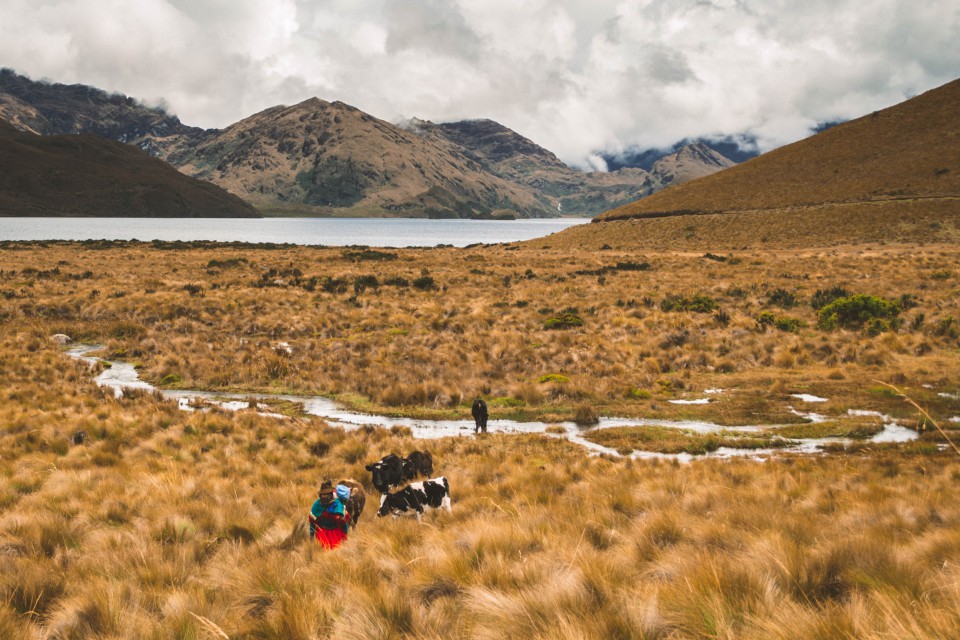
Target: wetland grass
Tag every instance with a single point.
(162, 523)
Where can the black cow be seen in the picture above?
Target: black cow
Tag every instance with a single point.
(388, 472)
(417, 498)
(418, 463)
(392, 470)
(479, 411)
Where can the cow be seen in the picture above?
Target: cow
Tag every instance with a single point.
(357, 500)
(417, 498)
(391, 471)
(387, 472)
(417, 464)
(479, 411)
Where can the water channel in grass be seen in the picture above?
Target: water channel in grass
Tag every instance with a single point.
(120, 376)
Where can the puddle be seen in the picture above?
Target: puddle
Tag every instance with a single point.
(122, 375)
(697, 401)
(807, 397)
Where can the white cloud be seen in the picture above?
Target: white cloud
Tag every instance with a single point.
(576, 76)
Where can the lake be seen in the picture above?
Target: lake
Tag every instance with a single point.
(334, 232)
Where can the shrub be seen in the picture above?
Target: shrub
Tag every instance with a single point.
(782, 298)
(823, 297)
(860, 311)
(369, 254)
(586, 416)
(699, 303)
(424, 283)
(334, 285)
(564, 320)
(553, 377)
(362, 283)
(947, 327)
(768, 319)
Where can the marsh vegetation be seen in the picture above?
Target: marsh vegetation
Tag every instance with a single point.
(159, 523)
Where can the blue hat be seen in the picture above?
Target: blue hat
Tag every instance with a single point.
(343, 492)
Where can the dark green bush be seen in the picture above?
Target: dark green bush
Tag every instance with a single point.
(424, 283)
(782, 298)
(823, 297)
(334, 285)
(699, 303)
(564, 320)
(362, 283)
(783, 323)
(860, 311)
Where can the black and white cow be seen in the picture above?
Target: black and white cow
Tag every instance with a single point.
(417, 498)
(392, 470)
(479, 411)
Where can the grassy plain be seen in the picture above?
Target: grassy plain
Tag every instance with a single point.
(162, 523)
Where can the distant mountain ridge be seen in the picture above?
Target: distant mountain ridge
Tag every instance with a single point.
(322, 158)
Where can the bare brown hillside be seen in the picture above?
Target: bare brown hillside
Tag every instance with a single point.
(891, 176)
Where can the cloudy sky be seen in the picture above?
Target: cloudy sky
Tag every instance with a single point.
(576, 76)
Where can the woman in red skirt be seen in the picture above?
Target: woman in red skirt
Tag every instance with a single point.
(329, 520)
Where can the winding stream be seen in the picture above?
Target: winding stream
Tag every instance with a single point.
(121, 375)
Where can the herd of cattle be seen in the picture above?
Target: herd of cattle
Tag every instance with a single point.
(392, 471)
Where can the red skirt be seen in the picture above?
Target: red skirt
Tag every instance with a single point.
(330, 538)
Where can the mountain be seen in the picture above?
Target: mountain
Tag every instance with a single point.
(331, 156)
(509, 155)
(321, 158)
(892, 175)
(87, 175)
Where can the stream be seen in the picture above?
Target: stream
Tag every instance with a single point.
(121, 375)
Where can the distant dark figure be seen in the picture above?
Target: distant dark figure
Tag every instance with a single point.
(391, 471)
(479, 411)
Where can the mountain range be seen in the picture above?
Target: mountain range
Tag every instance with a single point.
(328, 158)
(889, 176)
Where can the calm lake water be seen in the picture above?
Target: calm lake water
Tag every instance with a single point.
(334, 232)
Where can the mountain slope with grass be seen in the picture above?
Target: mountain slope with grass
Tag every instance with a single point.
(892, 175)
(86, 175)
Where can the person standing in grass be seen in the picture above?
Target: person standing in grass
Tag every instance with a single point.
(329, 520)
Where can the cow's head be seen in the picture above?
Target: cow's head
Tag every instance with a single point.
(386, 473)
(386, 504)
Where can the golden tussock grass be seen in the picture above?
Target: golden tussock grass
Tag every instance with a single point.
(161, 523)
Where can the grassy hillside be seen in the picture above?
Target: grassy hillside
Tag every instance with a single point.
(86, 175)
(891, 176)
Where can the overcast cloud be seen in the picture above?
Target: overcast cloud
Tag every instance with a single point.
(575, 76)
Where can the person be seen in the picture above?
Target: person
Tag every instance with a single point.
(329, 519)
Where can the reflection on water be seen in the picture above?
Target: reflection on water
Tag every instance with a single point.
(122, 375)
